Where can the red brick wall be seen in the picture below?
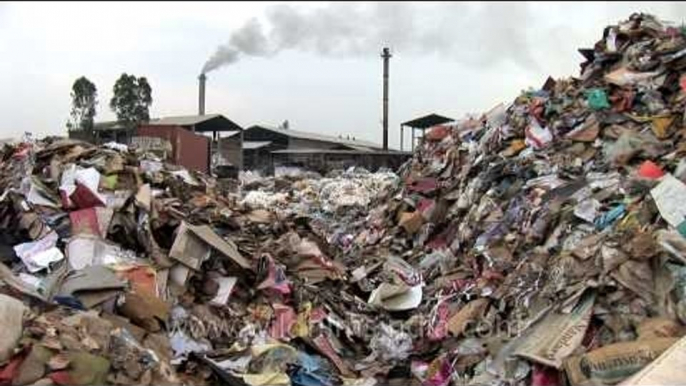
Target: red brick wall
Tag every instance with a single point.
(189, 150)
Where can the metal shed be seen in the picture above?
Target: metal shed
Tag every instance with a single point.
(421, 123)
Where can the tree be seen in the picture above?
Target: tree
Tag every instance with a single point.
(131, 99)
(84, 98)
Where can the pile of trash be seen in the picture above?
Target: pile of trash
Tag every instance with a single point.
(339, 192)
(118, 268)
(541, 244)
(544, 242)
(96, 242)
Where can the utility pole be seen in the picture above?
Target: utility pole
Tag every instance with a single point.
(386, 55)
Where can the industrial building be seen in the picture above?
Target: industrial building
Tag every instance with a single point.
(200, 142)
(214, 143)
(266, 148)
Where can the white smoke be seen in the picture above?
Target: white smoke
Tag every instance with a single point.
(473, 34)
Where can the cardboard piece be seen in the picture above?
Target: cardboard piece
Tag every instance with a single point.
(9, 279)
(145, 310)
(144, 197)
(39, 195)
(615, 362)
(411, 221)
(12, 313)
(260, 216)
(659, 327)
(90, 279)
(189, 249)
(625, 77)
(191, 246)
(667, 369)
(467, 314)
(586, 132)
(558, 335)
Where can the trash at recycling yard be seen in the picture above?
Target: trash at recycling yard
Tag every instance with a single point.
(541, 244)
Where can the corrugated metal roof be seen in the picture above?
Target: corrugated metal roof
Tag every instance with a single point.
(200, 123)
(183, 120)
(357, 144)
(331, 151)
(229, 134)
(360, 148)
(252, 145)
(427, 121)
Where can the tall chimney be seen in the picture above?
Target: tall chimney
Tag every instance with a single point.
(386, 55)
(201, 94)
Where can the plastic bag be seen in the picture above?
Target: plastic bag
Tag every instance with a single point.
(652, 99)
(625, 148)
(536, 136)
(597, 99)
(391, 344)
(609, 218)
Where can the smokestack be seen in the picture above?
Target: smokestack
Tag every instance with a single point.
(386, 55)
(201, 94)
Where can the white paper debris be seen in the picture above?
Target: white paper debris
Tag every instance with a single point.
(37, 255)
(86, 250)
(226, 285)
(670, 197)
(587, 210)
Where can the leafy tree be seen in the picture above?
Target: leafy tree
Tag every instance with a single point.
(84, 98)
(131, 100)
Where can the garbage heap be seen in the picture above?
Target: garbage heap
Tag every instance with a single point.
(540, 244)
(94, 242)
(544, 242)
(334, 195)
(117, 268)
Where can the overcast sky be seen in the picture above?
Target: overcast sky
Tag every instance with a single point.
(323, 72)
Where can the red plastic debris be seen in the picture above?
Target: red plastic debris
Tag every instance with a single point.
(439, 330)
(85, 221)
(85, 198)
(285, 318)
(545, 376)
(61, 378)
(649, 169)
(422, 185)
(10, 371)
